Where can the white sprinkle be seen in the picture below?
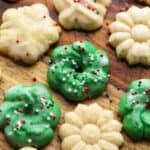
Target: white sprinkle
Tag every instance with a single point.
(36, 110)
(15, 112)
(63, 79)
(26, 105)
(104, 61)
(48, 118)
(69, 90)
(10, 133)
(15, 129)
(7, 116)
(95, 80)
(64, 71)
(75, 91)
(47, 126)
(29, 140)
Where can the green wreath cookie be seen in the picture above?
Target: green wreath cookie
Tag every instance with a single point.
(78, 70)
(134, 107)
(29, 115)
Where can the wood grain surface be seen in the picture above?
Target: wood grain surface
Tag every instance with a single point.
(121, 74)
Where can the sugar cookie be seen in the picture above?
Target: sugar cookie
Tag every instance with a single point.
(130, 35)
(27, 32)
(90, 127)
(81, 14)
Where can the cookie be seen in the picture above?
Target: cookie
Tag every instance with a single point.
(90, 127)
(134, 108)
(130, 35)
(27, 32)
(28, 115)
(81, 14)
(28, 148)
(78, 70)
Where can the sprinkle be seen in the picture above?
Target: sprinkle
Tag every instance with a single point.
(147, 91)
(17, 41)
(47, 126)
(44, 17)
(19, 98)
(94, 72)
(14, 129)
(75, 91)
(26, 105)
(133, 93)
(7, 123)
(42, 106)
(148, 105)
(69, 90)
(95, 80)
(27, 53)
(43, 99)
(20, 110)
(76, 19)
(101, 55)
(36, 110)
(7, 116)
(73, 83)
(34, 79)
(29, 140)
(65, 48)
(63, 79)
(48, 118)
(85, 90)
(53, 116)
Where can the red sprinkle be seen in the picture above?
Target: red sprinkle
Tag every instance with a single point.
(34, 79)
(23, 121)
(19, 98)
(76, 19)
(20, 110)
(65, 48)
(133, 93)
(53, 116)
(93, 72)
(42, 106)
(76, 1)
(148, 105)
(147, 91)
(27, 53)
(44, 17)
(17, 41)
(85, 90)
(7, 123)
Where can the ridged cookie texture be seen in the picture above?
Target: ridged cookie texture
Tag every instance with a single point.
(27, 32)
(130, 35)
(90, 128)
(81, 14)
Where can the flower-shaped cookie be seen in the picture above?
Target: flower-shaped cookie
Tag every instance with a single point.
(134, 107)
(90, 128)
(29, 115)
(81, 14)
(131, 35)
(146, 1)
(27, 32)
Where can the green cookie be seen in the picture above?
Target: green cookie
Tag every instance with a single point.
(134, 107)
(28, 115)
(78, 71)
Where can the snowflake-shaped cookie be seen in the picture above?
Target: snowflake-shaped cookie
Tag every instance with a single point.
(81, 14)
(146, 1)
(131, 35)
(90, 128)
(27, 32)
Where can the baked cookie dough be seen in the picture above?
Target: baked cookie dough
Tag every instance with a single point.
(134, 107)
(146, 1)
(90, 128)
(27, 32)
(130, 35)
(81, 14)
(28, 115)
(78, 71)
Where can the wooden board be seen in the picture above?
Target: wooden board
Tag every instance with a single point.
(121, 73)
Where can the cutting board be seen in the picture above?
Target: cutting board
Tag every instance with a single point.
(121, 74)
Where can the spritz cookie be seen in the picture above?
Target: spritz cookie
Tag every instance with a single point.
(90, 128)
(130, 35)
(81, 14)
(27, 32)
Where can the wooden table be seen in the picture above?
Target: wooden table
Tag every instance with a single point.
(121, 74)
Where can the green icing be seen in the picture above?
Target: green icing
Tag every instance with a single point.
(78, 71)
(134, 107)
(28, 115)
